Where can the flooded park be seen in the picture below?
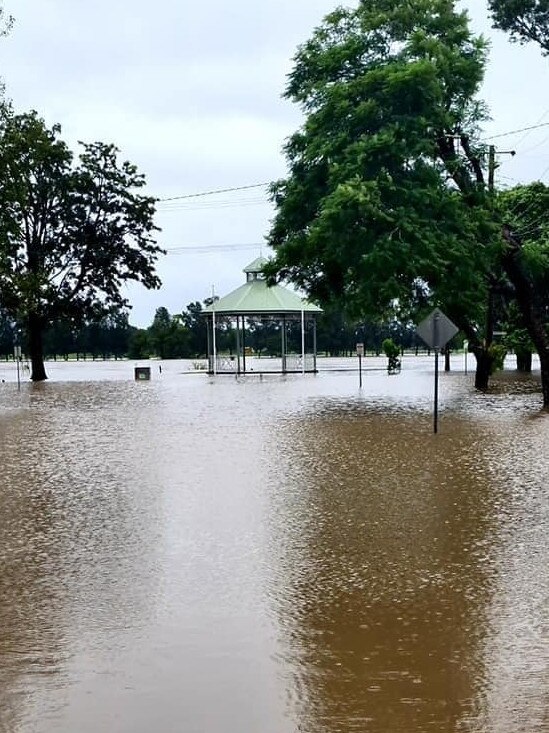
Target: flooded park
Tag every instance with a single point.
(272, 554)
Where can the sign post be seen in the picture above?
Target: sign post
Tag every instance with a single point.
(214, 345)
(17, 357)
(436, 330)
(360, 354)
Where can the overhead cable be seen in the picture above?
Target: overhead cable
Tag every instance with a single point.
(199, 248)
(515, 132)
(231, 189)
(215, 191)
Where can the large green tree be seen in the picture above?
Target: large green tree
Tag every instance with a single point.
(193, 319)
(524, 211)
(6, 22)
(386, 202)
(72, 231)
(524, 20)
(168, 337)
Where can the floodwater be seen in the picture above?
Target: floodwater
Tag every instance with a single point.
(272, 555)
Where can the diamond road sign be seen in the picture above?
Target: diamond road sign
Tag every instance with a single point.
(436, 330)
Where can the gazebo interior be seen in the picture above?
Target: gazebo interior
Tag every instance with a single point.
(260, 329)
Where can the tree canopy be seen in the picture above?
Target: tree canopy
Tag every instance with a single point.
(386, 200)
(524, 211)
(524, 20)
(6, 21)
(72, 231)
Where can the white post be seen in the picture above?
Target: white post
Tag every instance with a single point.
(214, 345)
(302, 341)
(17, 357)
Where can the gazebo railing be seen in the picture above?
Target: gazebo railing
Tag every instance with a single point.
(294, 363)
(223, 364)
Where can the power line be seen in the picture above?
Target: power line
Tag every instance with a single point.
(208, 202)
(213, 248)
(537, 122)
(209, 205)
(249, 186)
(515, 132)
(537, 145)
(215, 191)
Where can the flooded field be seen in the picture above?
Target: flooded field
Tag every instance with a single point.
(272, 555)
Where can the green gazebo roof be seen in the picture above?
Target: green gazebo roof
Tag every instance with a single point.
(256, 298)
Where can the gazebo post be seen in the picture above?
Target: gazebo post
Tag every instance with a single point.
(243, 345)
(209, 345)
(214, 345)
(283, 349)
(238, 344)
(314, 344)
(302, 341)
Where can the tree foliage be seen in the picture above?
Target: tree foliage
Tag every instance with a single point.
(6, 22)
(193, 319)
(367, 209)
(179, 336)
(392, 352)
(71, 231)
(386, 199)
(524, 211)
(524, 20)
(168, 337)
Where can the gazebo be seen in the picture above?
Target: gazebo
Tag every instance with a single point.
(255, 300)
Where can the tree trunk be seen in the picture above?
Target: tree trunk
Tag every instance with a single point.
(446, 359)
(480, 348)
(532, 312)
(36, 350)
(485, 362)
(524, 360)
(544, 365)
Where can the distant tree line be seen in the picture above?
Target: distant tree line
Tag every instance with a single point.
(104, 338)
(184, 336)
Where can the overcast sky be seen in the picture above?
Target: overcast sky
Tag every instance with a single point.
(191, 93)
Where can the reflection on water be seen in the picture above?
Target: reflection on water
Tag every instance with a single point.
(388, 562)
(78, 536)
(273, 555)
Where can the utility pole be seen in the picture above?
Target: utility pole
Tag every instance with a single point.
(214, 344)
(490, 314)
(492, 165)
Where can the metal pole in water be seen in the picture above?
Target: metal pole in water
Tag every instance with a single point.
(436, 393)
(360, 371)
(436, 330)
(302, 341)
(436, 345)
(17, 357)
(213, 334)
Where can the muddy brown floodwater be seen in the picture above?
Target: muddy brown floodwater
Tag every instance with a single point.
(272, 555)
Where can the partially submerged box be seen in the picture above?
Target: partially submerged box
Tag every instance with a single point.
(142, 373)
